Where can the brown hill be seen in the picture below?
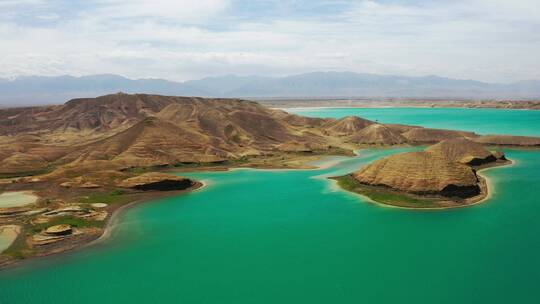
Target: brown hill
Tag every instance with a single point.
(301, 121)
(378, 134)
(180, 134)
(347, 125)
(99, 114)
(421, 173)
(401, 128)
(150, 130)
(124, 131)
(463, 151)
(425, 135)
(152, 142)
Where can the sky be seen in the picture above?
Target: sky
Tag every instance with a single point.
(488, 40)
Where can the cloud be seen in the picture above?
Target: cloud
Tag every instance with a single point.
(182, 11)
(488, 40)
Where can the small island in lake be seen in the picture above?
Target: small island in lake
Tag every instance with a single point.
(442, 176)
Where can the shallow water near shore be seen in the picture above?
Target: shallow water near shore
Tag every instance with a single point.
(256, 236)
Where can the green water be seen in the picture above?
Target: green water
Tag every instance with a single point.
(482, 121)
(255, 236)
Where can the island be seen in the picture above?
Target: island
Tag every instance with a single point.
(444, 175)
(66, 170)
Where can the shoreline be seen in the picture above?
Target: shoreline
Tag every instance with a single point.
(108, 228)
(113, 219)
(110, 225)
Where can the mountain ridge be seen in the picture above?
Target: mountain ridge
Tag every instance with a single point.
(38, 90)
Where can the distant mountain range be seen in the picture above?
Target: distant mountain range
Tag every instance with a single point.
(35, 90)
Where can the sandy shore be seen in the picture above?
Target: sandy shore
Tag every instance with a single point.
(114, 218)
(108, 229)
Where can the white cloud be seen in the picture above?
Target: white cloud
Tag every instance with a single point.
(181, 10)
(489, 40)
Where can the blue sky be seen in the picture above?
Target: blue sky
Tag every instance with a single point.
(490, 40)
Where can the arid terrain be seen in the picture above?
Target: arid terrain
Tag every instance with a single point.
(90, 157)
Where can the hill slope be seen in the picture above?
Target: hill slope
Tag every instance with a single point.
(121, 131)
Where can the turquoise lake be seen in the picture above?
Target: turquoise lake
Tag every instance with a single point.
(482, 121)
(270, 236)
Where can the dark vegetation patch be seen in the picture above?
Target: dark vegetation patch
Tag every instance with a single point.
(166, 185)
(112, 197)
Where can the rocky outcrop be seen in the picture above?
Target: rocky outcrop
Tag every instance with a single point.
(499, 155)
(379, 135)
(464, 151)
(58, 230)
(421, 173)
(157, 181)
(348, 125)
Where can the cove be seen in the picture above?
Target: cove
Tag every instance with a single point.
(270, 236)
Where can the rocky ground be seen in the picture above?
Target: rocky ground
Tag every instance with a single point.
(70, 215)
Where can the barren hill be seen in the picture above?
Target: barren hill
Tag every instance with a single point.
(147, 130)
(426, 135)
(347, 125)
(378, 134)
(420, 173)
(463, 151)
(151, 130)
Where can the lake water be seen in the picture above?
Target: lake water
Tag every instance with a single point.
(482, 121)
(269, 236)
